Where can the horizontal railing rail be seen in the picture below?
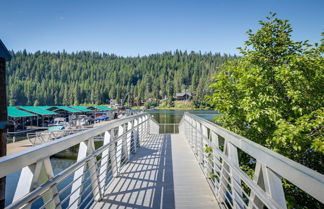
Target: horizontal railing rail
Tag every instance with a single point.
(87, 178)
(217, 150)
(27, 157)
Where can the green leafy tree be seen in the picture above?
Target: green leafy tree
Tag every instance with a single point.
(274, 95)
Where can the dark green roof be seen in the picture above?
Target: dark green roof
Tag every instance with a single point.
(4, 53)
(16, 113)
(81, 108)
(102, 107)
(37, 110)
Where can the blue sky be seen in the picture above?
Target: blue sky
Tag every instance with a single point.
(141, 27)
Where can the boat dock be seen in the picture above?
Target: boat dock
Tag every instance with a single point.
(18, 146)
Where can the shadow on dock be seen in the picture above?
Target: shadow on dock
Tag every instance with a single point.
(147, 181)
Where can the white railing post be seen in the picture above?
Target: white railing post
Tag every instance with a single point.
(195, 142)
(190, 132)
(113, 154)
(143, 128)
(184, 128)
(258, 179)
(274, 187)
(78, 178)
(236, 181)
(205, 141)
(271, 183)
(124, 145)
(146, 126)
(135, 138)
(33, 176)
(140, 130)
(216, 159)
(190, 124)
(25, 182)
(85, 148)
(104, 162)
(199, 144)
(222, 189)
(119, 148)
(129, 138)
(92, 166)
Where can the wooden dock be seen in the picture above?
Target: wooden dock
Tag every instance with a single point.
(25, 144)
(163, 174)
(18, 146)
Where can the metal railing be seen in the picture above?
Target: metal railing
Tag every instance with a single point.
(83, 182)
(216, 150)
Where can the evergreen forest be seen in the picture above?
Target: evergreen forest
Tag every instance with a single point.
(46, 78)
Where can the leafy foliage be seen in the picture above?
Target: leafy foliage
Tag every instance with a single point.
(274, 94)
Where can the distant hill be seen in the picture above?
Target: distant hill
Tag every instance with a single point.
(61, 78)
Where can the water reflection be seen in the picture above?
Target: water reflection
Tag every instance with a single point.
(169, 119)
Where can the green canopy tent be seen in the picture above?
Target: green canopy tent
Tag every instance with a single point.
(102, 108)
(39, 111)
(15, 114)
(81, 108)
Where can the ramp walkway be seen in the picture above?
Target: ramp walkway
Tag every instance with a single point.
(163, 174)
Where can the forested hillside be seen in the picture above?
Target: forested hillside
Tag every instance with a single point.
(61, 78)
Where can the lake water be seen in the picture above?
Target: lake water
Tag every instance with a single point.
(169, 119)
(59, 164)
(174, 116)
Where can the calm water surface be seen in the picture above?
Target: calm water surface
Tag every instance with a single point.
(168, 119)
(174, 116)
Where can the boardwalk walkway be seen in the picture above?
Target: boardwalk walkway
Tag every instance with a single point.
(163, 174)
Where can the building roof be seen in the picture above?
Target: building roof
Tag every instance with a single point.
(37, 110)
(81, 108)
(4, 53)
(14, 112)
(183, 94)
(102, 108)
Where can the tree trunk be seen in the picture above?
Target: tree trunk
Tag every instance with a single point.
(3, 126)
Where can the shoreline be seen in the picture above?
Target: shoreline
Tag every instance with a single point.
(176, 108)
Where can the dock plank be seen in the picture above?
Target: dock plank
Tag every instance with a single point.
(163, 174)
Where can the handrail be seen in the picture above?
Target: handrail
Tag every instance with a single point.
(201, 133)
(101, 163)
(18, 160)
(65, 173)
